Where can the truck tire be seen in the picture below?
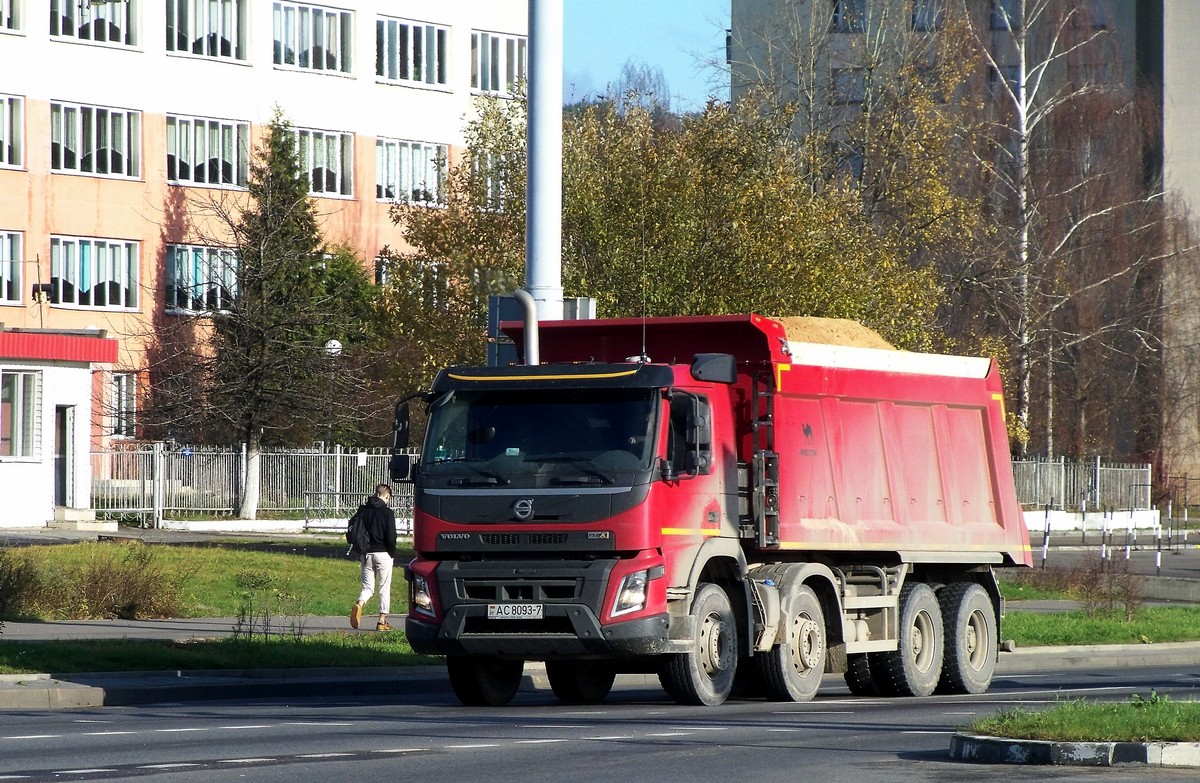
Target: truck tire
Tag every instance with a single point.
(581, 682)
(858, 675)
(971, 638)
(792, 669)
(916, 666)
(484, 681)
(704, 676)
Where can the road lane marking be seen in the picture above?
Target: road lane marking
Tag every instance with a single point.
(538, 741)
(173, 765)
(399, 750)
(244, 761)
(670, 734)
(105, 733)
(33, 736)
(313, 723)
(91, 771)
(553, 726)
(324, 755)
(614, 737)
(251, 726)
(470, 747)
(178, 731)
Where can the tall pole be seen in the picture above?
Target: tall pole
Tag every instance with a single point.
(543, 215)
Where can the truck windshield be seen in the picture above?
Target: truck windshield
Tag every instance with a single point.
(560, 436)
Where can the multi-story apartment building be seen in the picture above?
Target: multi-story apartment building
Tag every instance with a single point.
(1143, 47)
(115, 114)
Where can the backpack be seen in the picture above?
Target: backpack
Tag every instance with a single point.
(356, 534)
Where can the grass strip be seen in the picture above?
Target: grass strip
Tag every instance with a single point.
(1156, 719)
(339, 649)
(1150, 625)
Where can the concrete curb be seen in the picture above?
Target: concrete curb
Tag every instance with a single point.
(1000, 750)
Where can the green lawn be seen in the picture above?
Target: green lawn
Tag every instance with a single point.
(1151, 719)
(1151, 624)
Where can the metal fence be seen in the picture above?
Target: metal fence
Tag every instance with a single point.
(150, 482)
(1071, 485)
(154, 481)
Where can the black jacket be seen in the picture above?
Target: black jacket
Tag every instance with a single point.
(380, 522)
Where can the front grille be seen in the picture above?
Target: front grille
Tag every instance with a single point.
(500, 539)
(547, 538)
(559, 590)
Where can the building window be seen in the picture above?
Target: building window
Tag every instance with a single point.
(410, 52)
(10, 16)
(312, 37)
(204, 151)
(95, 140)
(1011, 75)
(94, 273)
(20, 404)
(328, 157)
(411, 171)
(123, 404)
(849, 16)
(12, 131)
(112, 22)
(1006, 15)
(849, 85)
(927, 15)
(200, 279)
(499, 63)
(10, 267)
(209, 28)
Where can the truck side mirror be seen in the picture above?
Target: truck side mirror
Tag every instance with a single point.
(400, 467)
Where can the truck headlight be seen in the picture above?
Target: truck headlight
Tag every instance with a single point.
(631, 594)
(422, 599)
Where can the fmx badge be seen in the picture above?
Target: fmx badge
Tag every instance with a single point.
(599, 535)
(523, 508)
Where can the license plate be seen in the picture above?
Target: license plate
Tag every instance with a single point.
(514, 611)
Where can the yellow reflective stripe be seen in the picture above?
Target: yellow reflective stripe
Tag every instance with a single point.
(780, 369)
(588, 376)
(1000, 399)
(689, 531)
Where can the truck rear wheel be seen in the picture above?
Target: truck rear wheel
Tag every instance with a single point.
(971, 646)
(792, 669)
(581, 682)
(915, 668)
(483, 681)
(704, 676)
(858, 675)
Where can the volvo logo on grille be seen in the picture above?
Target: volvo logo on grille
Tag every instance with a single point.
(523, 508)
(454, 536)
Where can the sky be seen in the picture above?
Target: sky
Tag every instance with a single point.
(676, 36)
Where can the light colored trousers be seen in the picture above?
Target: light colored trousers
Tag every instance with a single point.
(377, 565)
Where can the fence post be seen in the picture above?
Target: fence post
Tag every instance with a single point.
(337, 478)
(158, 484)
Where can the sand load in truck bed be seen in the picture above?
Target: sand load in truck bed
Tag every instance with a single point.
(832, 331)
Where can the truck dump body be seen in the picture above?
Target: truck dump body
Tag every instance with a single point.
(885, 451)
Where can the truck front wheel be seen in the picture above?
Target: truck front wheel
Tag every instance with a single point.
(971, 645)
(483, 681)
(916, 666)
(704, 675)
(792, 669)
(581, 682)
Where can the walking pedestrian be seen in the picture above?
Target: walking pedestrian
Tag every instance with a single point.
(379, 558)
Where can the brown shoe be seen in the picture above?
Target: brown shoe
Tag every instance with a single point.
(356, 614)
(382, 626)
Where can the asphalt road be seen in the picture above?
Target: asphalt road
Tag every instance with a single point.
(638, 735)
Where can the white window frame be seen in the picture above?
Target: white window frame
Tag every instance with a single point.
(200, 278)
(499, 62)
(79, 20)
(80, 130)
(315, 149)
(12, 131)
(414, 172)
(299, 29)
(208, 28)
(408, 52)
(20, 414)
(12, 17)
(12, 261)
(122, 404)
(196, 144)
(85, 269)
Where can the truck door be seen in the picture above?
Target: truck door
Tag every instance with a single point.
(692, 494)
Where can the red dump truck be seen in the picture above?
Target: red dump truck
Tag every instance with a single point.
(717, 500)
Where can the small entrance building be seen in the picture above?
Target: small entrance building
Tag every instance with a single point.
(49, 384)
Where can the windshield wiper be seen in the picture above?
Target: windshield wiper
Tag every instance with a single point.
(493, 476)
(579, 462)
